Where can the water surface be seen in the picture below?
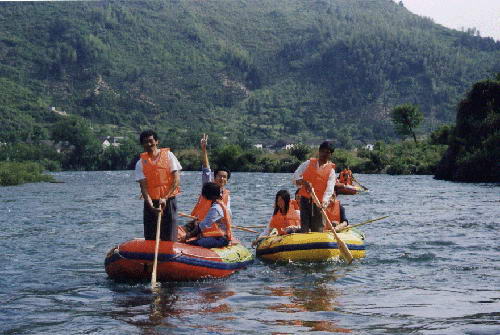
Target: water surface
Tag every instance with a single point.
(432, 267)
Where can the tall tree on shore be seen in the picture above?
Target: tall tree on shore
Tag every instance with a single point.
(473, 154)
(406, 119)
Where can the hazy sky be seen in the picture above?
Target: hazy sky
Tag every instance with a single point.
(481, 14)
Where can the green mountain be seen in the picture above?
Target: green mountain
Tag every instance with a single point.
(252, 70)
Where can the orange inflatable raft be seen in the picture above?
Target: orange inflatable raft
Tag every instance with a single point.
(133, 260)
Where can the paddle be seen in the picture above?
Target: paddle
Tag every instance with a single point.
(357, 182)
(157, 247)
(233, 226)
(366, 222)
(344, 250)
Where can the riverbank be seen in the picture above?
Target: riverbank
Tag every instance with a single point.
(17, 173)
(398, 158)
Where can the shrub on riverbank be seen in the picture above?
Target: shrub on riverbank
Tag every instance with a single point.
(401, 158)
(16, 173)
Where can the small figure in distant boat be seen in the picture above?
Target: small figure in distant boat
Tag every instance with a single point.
(317, 173)
(285, 219)
(158, 174)
(345, 177)
(336, 213)
(214, 231)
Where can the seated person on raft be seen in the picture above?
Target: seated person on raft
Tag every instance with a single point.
(285, 219)
(214, 231)
(221, 177)
(336, 213)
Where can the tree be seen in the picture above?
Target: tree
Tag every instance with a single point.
(78, 133)
(406, 118)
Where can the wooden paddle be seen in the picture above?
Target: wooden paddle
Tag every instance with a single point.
(157, 248)
(366, 222)
(344, 250)
(232, 226)
(357, 182)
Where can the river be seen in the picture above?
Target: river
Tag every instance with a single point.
(432, 267)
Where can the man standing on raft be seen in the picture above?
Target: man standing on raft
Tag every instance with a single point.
(319, 174)
(158, 174)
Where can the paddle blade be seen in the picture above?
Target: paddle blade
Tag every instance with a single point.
(344, 251)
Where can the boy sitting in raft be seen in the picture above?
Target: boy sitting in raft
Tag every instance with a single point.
(221, 177)
(214, 231)
(336, 213)
(285, 219)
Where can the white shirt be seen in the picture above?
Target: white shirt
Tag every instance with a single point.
(174, 165)
(332, 178)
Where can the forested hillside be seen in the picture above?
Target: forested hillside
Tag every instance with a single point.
(252, 70)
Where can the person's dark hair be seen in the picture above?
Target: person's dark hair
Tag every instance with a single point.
(211, 191)
(286, 197)
(146, 133)
(216, 171)
(327, 145)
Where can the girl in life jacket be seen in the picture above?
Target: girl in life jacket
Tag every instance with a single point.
(285, 219)
(214, 231)
(336, 213)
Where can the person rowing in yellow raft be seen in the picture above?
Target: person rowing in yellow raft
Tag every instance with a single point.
(318, 174)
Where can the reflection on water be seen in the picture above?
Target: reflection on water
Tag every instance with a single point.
(431, 268)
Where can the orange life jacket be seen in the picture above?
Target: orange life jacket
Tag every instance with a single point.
(158, 174)
(294, 204)
(201, 208)
(345, 177)
(333, 211)
(214, 230)
(317, 177)
(282, 222)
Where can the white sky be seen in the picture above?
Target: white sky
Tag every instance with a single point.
(483, 15)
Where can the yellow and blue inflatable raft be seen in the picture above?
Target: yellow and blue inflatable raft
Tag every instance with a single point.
(310, 247)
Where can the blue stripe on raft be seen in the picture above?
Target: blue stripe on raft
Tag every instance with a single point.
(141, 256)
(306, 246)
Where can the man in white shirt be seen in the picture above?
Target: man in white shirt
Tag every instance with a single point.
(158, 174)
(318, 174)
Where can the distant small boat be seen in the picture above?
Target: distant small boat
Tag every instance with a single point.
(133, 260)
(310, 247)
(348, 189)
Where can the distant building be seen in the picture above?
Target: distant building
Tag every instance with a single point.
(111, 141)
(369, 147)
(58, 111)
(258, 146)
(289, 146)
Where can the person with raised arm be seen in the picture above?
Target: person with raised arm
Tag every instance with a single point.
(221, 176)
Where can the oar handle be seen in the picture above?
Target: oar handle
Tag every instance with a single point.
(366, 188)
(233, 226)
(245, 229)
(366, 222)
(187, 216)
(157, 248)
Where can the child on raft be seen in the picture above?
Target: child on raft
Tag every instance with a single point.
(214, 231)
(285, 219)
